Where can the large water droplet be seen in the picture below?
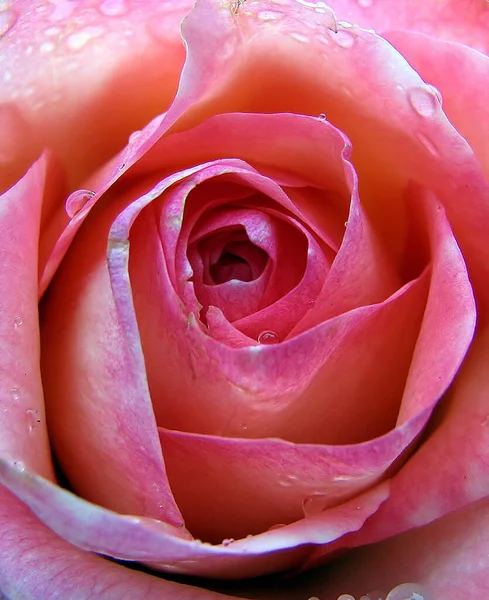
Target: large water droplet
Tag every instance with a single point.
(18, 321)
(314, 505)
(343, 38)
(76, 201)
(19, 466)
(268, 337)
(34, 418)
(7, 21)
(113, 8)
(423, 101)
(346, 597)
(409, 591)
(77, 41)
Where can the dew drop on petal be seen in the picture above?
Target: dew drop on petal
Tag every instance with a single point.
(76, 201)
(268, 337)
(227, 541)
(18, 321)
(409, 591)
(346, 597)
(365, 3)
(7, 21)
(313, 598)
(436, 92)
(14, 394)
(19, 466)
(34, 418)
(322, 117)
(423, 101)
(46, 47)
(343, 38)
(113, 8)
(314, 505)
(76, 41)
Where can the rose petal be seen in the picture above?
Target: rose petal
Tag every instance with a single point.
(24, 434)
(35, 562)
(460, 74)
(463, 21)
(99, 407)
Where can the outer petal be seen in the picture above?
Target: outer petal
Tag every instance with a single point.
(36, 563)
(54, 94)
(461, 75)
(463, 21)
(23, 435)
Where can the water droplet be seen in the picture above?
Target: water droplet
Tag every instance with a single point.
(276, 526)
(34, 416)
(343, 38)
(428, 144)
(227, 541)
(14, 393)
(46, 47)
(376, 595)
(313, 598)
(270, 15)
(76, 201)
(19, 466)
(322, 117)
(7, 21)
(409, 591)
(311, 304)
(134, 136)
(243, 426)
(113, 8)
(346, 597)
(76, 41)
(268, 337)
(18, 321)
(436, 92)
(365, 3)
(52, 31)
(300, 37)
(314, 505)
(423, 101)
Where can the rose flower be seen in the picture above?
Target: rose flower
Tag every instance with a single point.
(245, 298)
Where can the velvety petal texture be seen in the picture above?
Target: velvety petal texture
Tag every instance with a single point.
(248, 309)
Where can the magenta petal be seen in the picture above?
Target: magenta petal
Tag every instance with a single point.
(36, 563)
(23, 435)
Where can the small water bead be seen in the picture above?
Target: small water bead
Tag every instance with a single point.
(314, 505)
(113, 8)
(46, 47)
(34, 416)
(322, 117)
(365, 3)
(311, 304)
(227, 541)
(19, 466)
(409, 591)
(76, 201)
(18, 321)
(14, 394)
(424, 101)
(7, 21)
(76, 41)
(268, 337)
(343, 38)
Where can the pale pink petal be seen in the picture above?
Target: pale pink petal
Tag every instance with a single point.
(99, 409)
(47, 60)
(36, 563)
(152, 542)
(463, 21)
(461, 75)
(23, 435)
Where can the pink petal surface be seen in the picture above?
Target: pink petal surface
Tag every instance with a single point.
(57, 83)
(24, 435)
(460, 74)
(448, 559)
(463, 21)
(100, 415)
(36, 563)
(147, 540)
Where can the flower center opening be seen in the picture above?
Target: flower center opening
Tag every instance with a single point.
(242, 261)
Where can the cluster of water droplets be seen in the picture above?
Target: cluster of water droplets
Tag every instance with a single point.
(405, 591)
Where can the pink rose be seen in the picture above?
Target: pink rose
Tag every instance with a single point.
(244, 297)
